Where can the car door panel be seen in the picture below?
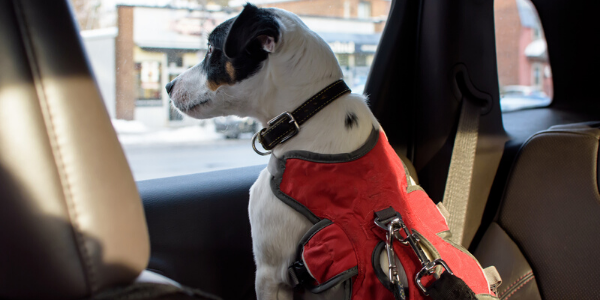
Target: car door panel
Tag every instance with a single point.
(200, 231)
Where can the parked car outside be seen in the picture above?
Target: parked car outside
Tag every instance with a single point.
(518, 97)
(233, 126)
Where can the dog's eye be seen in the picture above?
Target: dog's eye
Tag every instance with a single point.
(209, 49)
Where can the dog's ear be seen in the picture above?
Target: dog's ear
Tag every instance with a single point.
(252, 26)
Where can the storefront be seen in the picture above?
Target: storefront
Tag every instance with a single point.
(163, 42)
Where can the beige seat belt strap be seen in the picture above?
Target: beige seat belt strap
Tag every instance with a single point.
(458, 184)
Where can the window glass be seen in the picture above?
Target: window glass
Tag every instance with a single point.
(523, 67)
(148, 80)
(364, 9)
(137, 47)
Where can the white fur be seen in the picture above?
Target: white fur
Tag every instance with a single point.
(300, 65)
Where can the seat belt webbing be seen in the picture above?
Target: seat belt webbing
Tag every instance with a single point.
(460, 173)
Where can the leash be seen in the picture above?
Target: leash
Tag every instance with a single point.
(286, 125)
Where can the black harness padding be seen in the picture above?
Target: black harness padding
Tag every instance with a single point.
(283, 127)
(450, 287)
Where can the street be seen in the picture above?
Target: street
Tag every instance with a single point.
(149, 161)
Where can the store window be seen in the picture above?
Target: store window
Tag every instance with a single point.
(524, 73)
(364, 10)
(150, 42)
(537, 76)
(148, 80)
(174, 58)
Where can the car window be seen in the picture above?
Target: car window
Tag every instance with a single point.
(524, 72)
(137, 47)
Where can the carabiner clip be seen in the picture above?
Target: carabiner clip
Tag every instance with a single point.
(389, 247)
(429, 268)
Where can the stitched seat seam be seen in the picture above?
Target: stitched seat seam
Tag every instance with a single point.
(519, 287)
(525, 278)
(55, 147)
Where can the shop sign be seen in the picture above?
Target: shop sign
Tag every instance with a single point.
(340, 47)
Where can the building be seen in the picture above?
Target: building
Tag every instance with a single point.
(155, 44)
(351, 27)
(521, 47)
(152, 45)
(374, 10)
(100, 47)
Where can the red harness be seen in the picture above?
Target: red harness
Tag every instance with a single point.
(340, 194)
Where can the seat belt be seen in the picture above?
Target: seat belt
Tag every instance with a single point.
(460, 173)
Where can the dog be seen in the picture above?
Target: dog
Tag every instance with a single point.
(259, 64)
(261, 71)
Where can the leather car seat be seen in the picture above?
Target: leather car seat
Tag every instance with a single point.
(72, 225)
(546, 235)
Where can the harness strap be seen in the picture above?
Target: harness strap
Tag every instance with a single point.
(317, 268)
(286, 125)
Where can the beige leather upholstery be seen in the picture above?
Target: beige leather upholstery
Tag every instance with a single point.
(544, 239)
(71, 221)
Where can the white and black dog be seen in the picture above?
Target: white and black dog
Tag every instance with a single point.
(259, 64)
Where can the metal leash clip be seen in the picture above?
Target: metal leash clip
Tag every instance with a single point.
(411, 239)
(428, 266)
(392, 228)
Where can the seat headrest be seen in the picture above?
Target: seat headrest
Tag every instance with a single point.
(71, 220)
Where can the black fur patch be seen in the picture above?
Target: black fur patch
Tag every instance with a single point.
(351, 120)
(235, 41)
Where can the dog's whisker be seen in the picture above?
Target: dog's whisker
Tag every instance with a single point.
(228, 95)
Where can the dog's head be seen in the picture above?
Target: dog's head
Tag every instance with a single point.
(253, 60)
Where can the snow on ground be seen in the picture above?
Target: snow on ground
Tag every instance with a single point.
(134, 132)
(124, 126)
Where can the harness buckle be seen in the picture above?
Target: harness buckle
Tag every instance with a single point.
(292, 121)
(298, 273)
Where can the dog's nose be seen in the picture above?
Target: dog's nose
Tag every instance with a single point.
(170, 86)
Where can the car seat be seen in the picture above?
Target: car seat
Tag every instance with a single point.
(545, 237)
(72, 225)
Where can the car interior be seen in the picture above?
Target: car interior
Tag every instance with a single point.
(75, 225)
